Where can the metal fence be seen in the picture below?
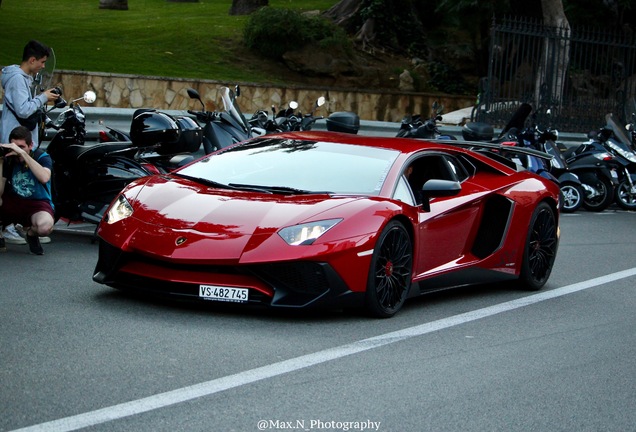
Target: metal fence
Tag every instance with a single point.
(578, 76)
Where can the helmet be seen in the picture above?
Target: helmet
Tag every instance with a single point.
(189, 141)
(151, 128)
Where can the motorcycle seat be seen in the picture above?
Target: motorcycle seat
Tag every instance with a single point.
(79, 153)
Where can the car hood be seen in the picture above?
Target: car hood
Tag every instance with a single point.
(217, 223)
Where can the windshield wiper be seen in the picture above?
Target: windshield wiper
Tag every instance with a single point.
(205, 181)
(285, 190)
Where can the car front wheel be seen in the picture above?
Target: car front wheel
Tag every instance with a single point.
(390, 272)
(540, 248)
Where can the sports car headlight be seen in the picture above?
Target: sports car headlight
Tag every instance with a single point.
(121, 209)
(306, 234)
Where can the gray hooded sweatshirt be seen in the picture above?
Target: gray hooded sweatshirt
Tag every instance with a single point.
(17, 93)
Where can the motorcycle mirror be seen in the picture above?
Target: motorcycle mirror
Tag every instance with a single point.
(293, 105)
(321, 101)
(237, 90)
(90, 96)
(193, 94)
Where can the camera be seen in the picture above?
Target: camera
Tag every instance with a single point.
(57, 91)
(4, 151)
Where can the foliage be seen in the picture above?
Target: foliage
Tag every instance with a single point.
(273, 32)
(444, 78)
(396, 24)
(153, 37)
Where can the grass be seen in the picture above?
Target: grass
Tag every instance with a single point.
(153, 37)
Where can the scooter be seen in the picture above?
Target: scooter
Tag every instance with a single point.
(572, 189)
(415, 127)
(86, 178)
(596, 169)
(162, 142)
(615, 139)
(286, 120)
(221, 128)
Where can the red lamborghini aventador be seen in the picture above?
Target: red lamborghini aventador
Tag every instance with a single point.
(318, 218)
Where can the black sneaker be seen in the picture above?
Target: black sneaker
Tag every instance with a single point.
(34, 245)
(3, 246)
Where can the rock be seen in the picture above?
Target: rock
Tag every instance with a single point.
(406, 82)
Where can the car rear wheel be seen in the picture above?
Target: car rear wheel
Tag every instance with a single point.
(540, 248)
(389, 278)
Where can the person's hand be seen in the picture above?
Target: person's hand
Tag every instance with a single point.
(51, 94)
(11, 149)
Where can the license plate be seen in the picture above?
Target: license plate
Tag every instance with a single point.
(223, 293)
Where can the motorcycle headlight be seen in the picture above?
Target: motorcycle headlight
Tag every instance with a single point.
(306, 234)
(121, 209)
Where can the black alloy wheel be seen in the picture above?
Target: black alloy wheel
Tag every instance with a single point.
(540, 249)
(389, 277)
(604, 197)
(626, 195)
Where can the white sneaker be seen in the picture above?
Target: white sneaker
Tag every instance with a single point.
(12, 236)
(20, 230)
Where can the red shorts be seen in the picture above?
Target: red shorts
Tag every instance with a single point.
(19, 210)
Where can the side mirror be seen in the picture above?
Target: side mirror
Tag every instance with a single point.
(293, 105)
(439, 188)
(90, 96)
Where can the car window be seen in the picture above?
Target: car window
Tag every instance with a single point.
(403, 192)
(298, 164)
(457, 168)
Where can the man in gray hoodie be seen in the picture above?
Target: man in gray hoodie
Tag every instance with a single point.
(17, 81)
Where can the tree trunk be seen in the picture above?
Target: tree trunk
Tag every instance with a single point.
(556, 55)
(246, 7)
(113, 4)
(343, 13)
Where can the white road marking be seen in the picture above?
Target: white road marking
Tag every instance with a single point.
(208, 388)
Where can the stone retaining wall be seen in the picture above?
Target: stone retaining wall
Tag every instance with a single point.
(131, 91)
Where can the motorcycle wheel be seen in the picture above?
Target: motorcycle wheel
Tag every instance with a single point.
(572, 197)
(603, 200)
(626, 196)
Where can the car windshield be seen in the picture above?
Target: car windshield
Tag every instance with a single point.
(296, 166)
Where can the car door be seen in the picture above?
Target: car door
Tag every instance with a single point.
(444, 232)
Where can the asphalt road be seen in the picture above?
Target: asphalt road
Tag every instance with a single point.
(75, 354)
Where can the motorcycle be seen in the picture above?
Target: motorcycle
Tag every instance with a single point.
(286, 120)
(221, 128)
(415, 127)
(86, 178)
(162, 142)
(572, 189)
(596, 169)
(613, 137)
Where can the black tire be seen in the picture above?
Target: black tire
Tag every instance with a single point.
(390, 271)
(572, 195)
(603, 201)
(540, 248)
(625, 198)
